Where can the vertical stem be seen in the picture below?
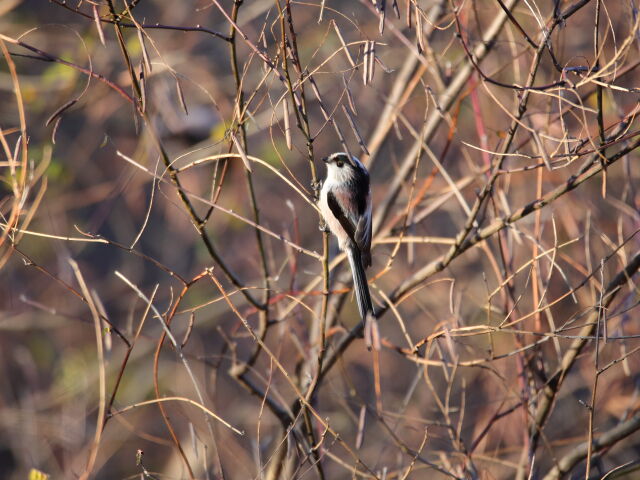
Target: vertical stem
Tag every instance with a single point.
(592, 406)
(596, 66)
(264, 312)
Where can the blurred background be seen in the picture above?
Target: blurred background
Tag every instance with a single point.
(160, 165)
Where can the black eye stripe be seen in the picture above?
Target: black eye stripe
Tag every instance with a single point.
(344, 161)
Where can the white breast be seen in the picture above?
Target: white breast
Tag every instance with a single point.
(332, 222)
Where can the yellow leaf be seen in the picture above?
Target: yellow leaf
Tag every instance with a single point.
(37, 475)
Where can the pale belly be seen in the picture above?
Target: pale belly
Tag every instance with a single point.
(332, 222)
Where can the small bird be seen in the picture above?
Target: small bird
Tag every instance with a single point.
(345, 203)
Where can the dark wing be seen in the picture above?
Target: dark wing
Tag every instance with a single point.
(362, 237)
(340, 215)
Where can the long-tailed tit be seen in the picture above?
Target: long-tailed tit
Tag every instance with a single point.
(345, 203)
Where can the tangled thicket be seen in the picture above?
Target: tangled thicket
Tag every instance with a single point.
(170, 308)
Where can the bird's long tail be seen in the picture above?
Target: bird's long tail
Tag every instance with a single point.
(360, 283)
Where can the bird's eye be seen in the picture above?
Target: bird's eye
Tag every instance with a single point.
(339, 163)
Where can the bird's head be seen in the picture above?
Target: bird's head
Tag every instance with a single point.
(342, 167)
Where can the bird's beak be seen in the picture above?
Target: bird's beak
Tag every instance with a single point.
(325, 160)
